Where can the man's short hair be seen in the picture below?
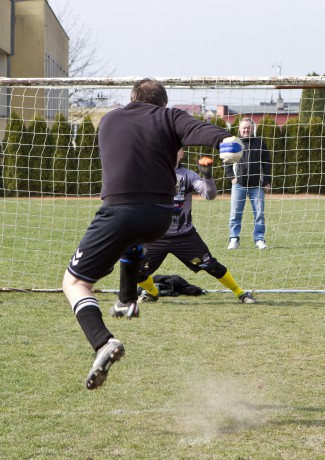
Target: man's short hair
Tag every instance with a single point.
(247, 119)
(150, 91)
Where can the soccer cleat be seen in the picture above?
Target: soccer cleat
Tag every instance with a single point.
(129, 309)
(112, 351)
(247, 297)
(260, 244)
(234, 243)
(146, 297)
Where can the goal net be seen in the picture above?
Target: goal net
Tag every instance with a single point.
(50, 177)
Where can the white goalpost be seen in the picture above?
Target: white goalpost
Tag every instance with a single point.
(50, 177)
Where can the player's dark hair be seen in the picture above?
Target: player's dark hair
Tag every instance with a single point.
(150, 91)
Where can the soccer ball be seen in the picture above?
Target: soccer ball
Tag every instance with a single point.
(231, 150)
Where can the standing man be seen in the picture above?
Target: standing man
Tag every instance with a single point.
(251, 177)
(138, 148)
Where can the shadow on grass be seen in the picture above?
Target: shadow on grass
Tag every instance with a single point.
(284, 406)
(290, 420)
(299, 421)
(317, 303)
(263, 300)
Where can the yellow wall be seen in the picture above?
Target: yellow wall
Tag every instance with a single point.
(29, 54)
(5, 26)
(5, 50)
(39, 38)
(37, 33)
(41, 49)
(56, 40)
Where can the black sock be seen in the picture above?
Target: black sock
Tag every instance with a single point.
(129, 273)
(89, 317)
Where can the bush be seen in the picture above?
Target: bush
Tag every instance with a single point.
(88, 162)
(15, 161)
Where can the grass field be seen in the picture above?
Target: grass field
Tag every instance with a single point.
(38, 237)
(203, 378)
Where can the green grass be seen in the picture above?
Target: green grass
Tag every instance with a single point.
(38, 237)
(203, 378)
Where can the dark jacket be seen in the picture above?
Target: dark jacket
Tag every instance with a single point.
(138, 149)
(254, 167)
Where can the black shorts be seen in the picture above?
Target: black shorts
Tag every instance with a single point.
(188, 248)
(113, 230)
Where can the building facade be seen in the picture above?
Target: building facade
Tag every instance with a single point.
(33, 44)
(280, 110)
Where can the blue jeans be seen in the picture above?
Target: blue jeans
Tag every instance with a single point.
(238, 200)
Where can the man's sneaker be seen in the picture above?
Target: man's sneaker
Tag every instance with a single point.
(129, 309)
(260, 244)
(247, 297)
(233, 243)
(146, 297)
(112, 351)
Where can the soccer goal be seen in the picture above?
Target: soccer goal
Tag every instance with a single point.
(50, 177)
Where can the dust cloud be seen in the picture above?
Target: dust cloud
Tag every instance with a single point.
(213, 407)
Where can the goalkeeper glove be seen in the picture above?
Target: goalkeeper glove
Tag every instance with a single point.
(231, 150)
(205, 167)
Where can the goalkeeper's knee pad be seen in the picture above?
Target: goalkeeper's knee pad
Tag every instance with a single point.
(216, 269)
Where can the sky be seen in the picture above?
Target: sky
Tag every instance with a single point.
(186, 38)
(203, 37)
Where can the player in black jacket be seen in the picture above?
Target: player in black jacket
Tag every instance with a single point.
(138, 149)
(251, 177)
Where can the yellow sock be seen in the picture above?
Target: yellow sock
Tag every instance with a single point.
(149, 286)
(228, 281)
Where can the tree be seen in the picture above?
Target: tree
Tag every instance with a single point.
(314, 166)
(40, 156)
(83, 50)
(234, 130)
(15, 160)
(62, 161)
(291, 161)
(270, 132)
(87, 153)
(312, 103)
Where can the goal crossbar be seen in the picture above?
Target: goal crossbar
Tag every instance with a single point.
(279, 82)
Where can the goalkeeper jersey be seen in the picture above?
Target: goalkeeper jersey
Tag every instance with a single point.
(188, 183)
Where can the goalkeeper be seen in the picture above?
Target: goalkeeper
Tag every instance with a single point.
(182, 240)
